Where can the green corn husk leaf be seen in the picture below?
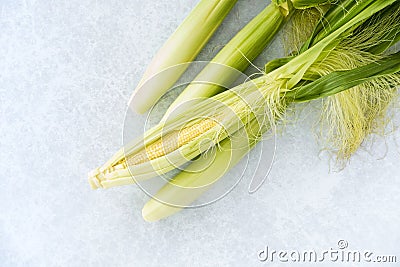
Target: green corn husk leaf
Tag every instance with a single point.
(388, 32)
(276, 63)
(339, 81)
(341, 13)
(392, 38)
(182, 47)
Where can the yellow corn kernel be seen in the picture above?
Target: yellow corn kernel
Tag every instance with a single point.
(171, 142)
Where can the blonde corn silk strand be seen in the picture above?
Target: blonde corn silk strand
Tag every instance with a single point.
(300, 27)
(350, 116)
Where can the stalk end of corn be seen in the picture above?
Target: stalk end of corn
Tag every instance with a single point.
(147, 214)
(154, 211)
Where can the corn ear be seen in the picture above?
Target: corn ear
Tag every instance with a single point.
(182, 47)
(155, 154)
(174, 142)
(186, 187)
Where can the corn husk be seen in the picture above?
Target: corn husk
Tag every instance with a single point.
(182, 47)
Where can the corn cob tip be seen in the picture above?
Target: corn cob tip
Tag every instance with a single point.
(94, 179)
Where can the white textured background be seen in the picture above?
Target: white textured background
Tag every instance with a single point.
(67, 69)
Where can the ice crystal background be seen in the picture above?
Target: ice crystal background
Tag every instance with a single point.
(67, 69)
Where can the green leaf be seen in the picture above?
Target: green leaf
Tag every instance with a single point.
(339, 81)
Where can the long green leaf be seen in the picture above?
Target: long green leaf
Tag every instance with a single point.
(339, 81)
